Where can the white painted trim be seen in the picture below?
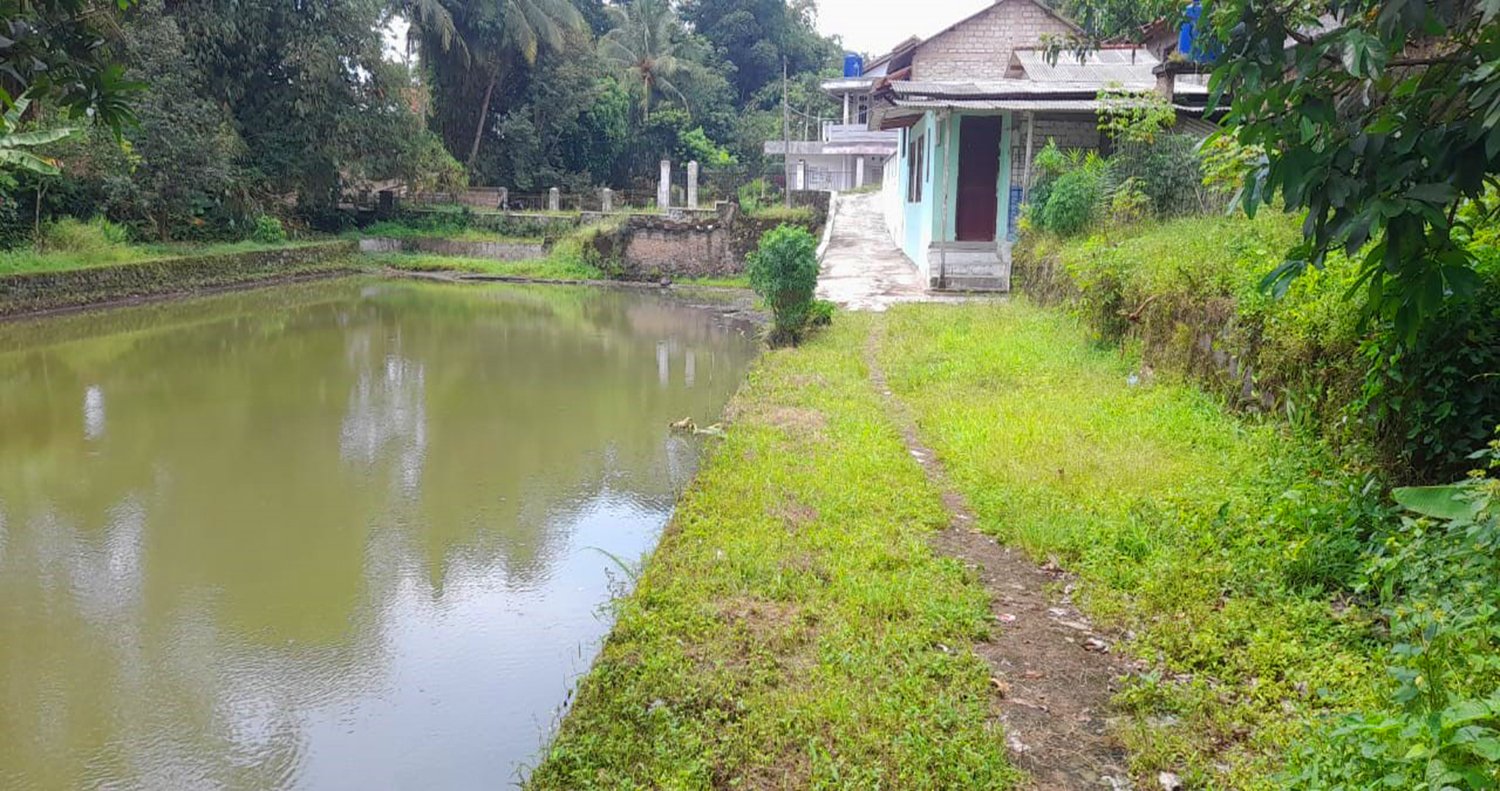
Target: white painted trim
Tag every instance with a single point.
(833, 205)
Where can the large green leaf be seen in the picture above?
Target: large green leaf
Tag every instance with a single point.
(1440, 502)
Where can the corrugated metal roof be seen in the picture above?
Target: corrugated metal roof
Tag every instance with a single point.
(993, 88)
(1020, 89)
(1034, 105)
(1099, 67)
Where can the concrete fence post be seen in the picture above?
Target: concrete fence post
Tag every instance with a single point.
(692, 184)
(859, 172)
(664, 186)
(801, 174)
(606, 200)
(554, 199)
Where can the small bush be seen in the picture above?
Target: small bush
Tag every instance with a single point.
(821, 314)
(784, 271)
(786, 214)
(756, 194)
(1170, 172)
(1073, 201)
(71, 235)
(268, 230)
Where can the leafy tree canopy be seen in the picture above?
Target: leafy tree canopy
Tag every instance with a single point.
(61, 51)
(1380, 118)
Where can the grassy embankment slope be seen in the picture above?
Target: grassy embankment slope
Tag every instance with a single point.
(27, 260)
(795, 629)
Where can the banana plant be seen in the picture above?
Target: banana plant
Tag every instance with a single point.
(15, 153)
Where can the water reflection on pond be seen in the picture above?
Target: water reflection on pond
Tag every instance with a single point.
(341, 535)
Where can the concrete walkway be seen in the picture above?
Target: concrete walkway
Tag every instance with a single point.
(863, 269)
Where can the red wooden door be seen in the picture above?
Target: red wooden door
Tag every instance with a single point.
(978, 178)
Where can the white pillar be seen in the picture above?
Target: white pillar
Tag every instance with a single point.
(1026, 163)
(801, 174)
(606, 200)
(554, 199)
(846, 108)
(859, 172)
(692, 184)
(664, 186)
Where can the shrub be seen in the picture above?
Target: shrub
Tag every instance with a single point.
(1169, 170)
(71, 235)
(1073, 200)
(821, 314)
(756, 194)
(1434, 400)
(1433, 579)
(784, 271)
(268, 230)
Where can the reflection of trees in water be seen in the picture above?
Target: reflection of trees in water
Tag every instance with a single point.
(205, 530)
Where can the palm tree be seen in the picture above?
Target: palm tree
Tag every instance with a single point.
(484, 37)
(643, 46)
(526, 27)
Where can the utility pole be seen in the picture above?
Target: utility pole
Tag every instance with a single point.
(786, 139)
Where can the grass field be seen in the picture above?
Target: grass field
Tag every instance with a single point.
(795, 630)
(1216, 541)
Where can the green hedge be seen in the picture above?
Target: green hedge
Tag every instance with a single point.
(41, 291)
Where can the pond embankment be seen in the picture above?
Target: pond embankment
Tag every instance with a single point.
(798, 626)
(46, 291)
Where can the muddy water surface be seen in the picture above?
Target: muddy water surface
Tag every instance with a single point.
(352, 534)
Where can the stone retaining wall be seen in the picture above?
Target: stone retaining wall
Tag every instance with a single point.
(495, 251)
(697, 245)
(36, 292)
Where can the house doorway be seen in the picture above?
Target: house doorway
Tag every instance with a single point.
(978, 178)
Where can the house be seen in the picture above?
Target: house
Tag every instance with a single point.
(973, 104)
(847, 155)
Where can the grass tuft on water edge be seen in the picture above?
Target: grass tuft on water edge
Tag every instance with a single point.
(794, 628)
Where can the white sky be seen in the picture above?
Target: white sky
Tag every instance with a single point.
(874, 26)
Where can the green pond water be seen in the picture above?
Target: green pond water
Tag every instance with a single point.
(344, 535)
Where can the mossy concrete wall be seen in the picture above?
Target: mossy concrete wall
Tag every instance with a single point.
(37, 292)
(495, 251)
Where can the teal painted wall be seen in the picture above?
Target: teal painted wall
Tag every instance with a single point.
(928, 220)
(919, 214)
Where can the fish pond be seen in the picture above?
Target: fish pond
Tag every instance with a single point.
(350, 534)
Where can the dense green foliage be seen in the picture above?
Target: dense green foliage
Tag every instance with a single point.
(784, 271)
(245, 108)
(1393, 125)
(57, 51)
(1186, 295)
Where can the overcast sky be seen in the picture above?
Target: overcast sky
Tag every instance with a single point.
(874, 26)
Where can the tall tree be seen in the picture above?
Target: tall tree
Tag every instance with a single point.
(59, 51)
(1380, 118)
(755, 36)
(490, 39)
(643, 47)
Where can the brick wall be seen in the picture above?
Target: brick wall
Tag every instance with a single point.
(980, 48)
(1069, 132)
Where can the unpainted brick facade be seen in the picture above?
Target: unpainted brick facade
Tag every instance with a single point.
(980, 47)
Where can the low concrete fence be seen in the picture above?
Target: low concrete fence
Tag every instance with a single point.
(495, 251)
(44, 291)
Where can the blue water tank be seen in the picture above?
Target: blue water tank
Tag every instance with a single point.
(854, 64)
(1191, 41)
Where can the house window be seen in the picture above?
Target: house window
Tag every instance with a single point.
(916, 170)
